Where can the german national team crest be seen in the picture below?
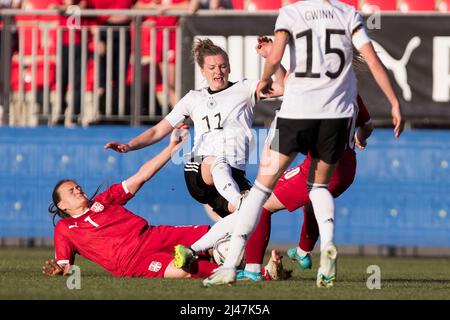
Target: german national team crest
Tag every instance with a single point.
(211, 103)
(155, 266)
(97, 207)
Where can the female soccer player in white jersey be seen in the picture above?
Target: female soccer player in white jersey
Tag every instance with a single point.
(314, 116)
(222, 114)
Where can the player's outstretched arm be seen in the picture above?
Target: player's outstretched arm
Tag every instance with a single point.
(382, 79)
(273, 62)
(263, 48)
(145, 139)
(151, 167)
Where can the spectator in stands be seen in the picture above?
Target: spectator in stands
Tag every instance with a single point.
(210, 4)
(10, 4)
(112, 21)
(74, 98)
(6, 4)
(162, 22)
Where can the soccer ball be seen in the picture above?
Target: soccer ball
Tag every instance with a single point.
(220, 251)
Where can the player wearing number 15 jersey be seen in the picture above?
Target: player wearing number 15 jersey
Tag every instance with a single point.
(222, 114)
(314, 117)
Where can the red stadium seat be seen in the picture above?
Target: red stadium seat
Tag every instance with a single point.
(354, 3)
(238, 4)
(41, 4)
(350, 2)
(367, 6)
(443, 5)
(255, 5)
(417, 5)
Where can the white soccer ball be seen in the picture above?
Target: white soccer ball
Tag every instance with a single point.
(220, 250)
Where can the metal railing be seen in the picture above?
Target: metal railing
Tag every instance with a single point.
(57, 69)
(35, 87)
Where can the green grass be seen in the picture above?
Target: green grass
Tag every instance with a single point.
(401, 278)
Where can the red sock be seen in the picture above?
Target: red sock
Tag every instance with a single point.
(203, 269)
(310, 230)
(258, 241)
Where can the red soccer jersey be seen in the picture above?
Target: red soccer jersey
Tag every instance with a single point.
(164, 21)
(109, 4)
(108, 234)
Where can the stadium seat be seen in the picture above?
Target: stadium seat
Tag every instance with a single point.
(255, 5)
(417, 5)
(354, 3)
(383, 5)
(443, 5)
(40, 4)
(238, 4)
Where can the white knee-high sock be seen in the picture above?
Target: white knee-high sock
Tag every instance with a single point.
(323, 204)
(217, 231)
(248, 216)
(224, 182)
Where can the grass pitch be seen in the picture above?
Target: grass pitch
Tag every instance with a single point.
(401, 278)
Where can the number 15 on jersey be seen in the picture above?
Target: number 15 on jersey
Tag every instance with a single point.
(313, 53)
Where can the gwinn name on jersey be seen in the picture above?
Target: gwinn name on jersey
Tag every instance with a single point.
(322, 83)
(222, 121)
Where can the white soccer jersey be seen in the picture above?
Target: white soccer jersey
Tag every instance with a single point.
(322, 83)
(222, 121)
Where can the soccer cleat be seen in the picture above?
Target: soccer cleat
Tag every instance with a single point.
(245, 275)
(221, 276)
(274, 268)
(304, 262)
(184, 256)
(326, 275)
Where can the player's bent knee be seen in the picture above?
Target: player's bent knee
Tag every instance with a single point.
(231, 208)
(219, 163)
(173, 272)
(273, 204)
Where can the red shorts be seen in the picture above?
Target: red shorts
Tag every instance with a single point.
(292, 191)
(158, 252)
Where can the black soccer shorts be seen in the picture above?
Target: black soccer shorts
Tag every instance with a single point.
(325, 139)
(206, 194)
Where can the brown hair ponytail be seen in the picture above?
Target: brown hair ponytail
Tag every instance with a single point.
(205, 47)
